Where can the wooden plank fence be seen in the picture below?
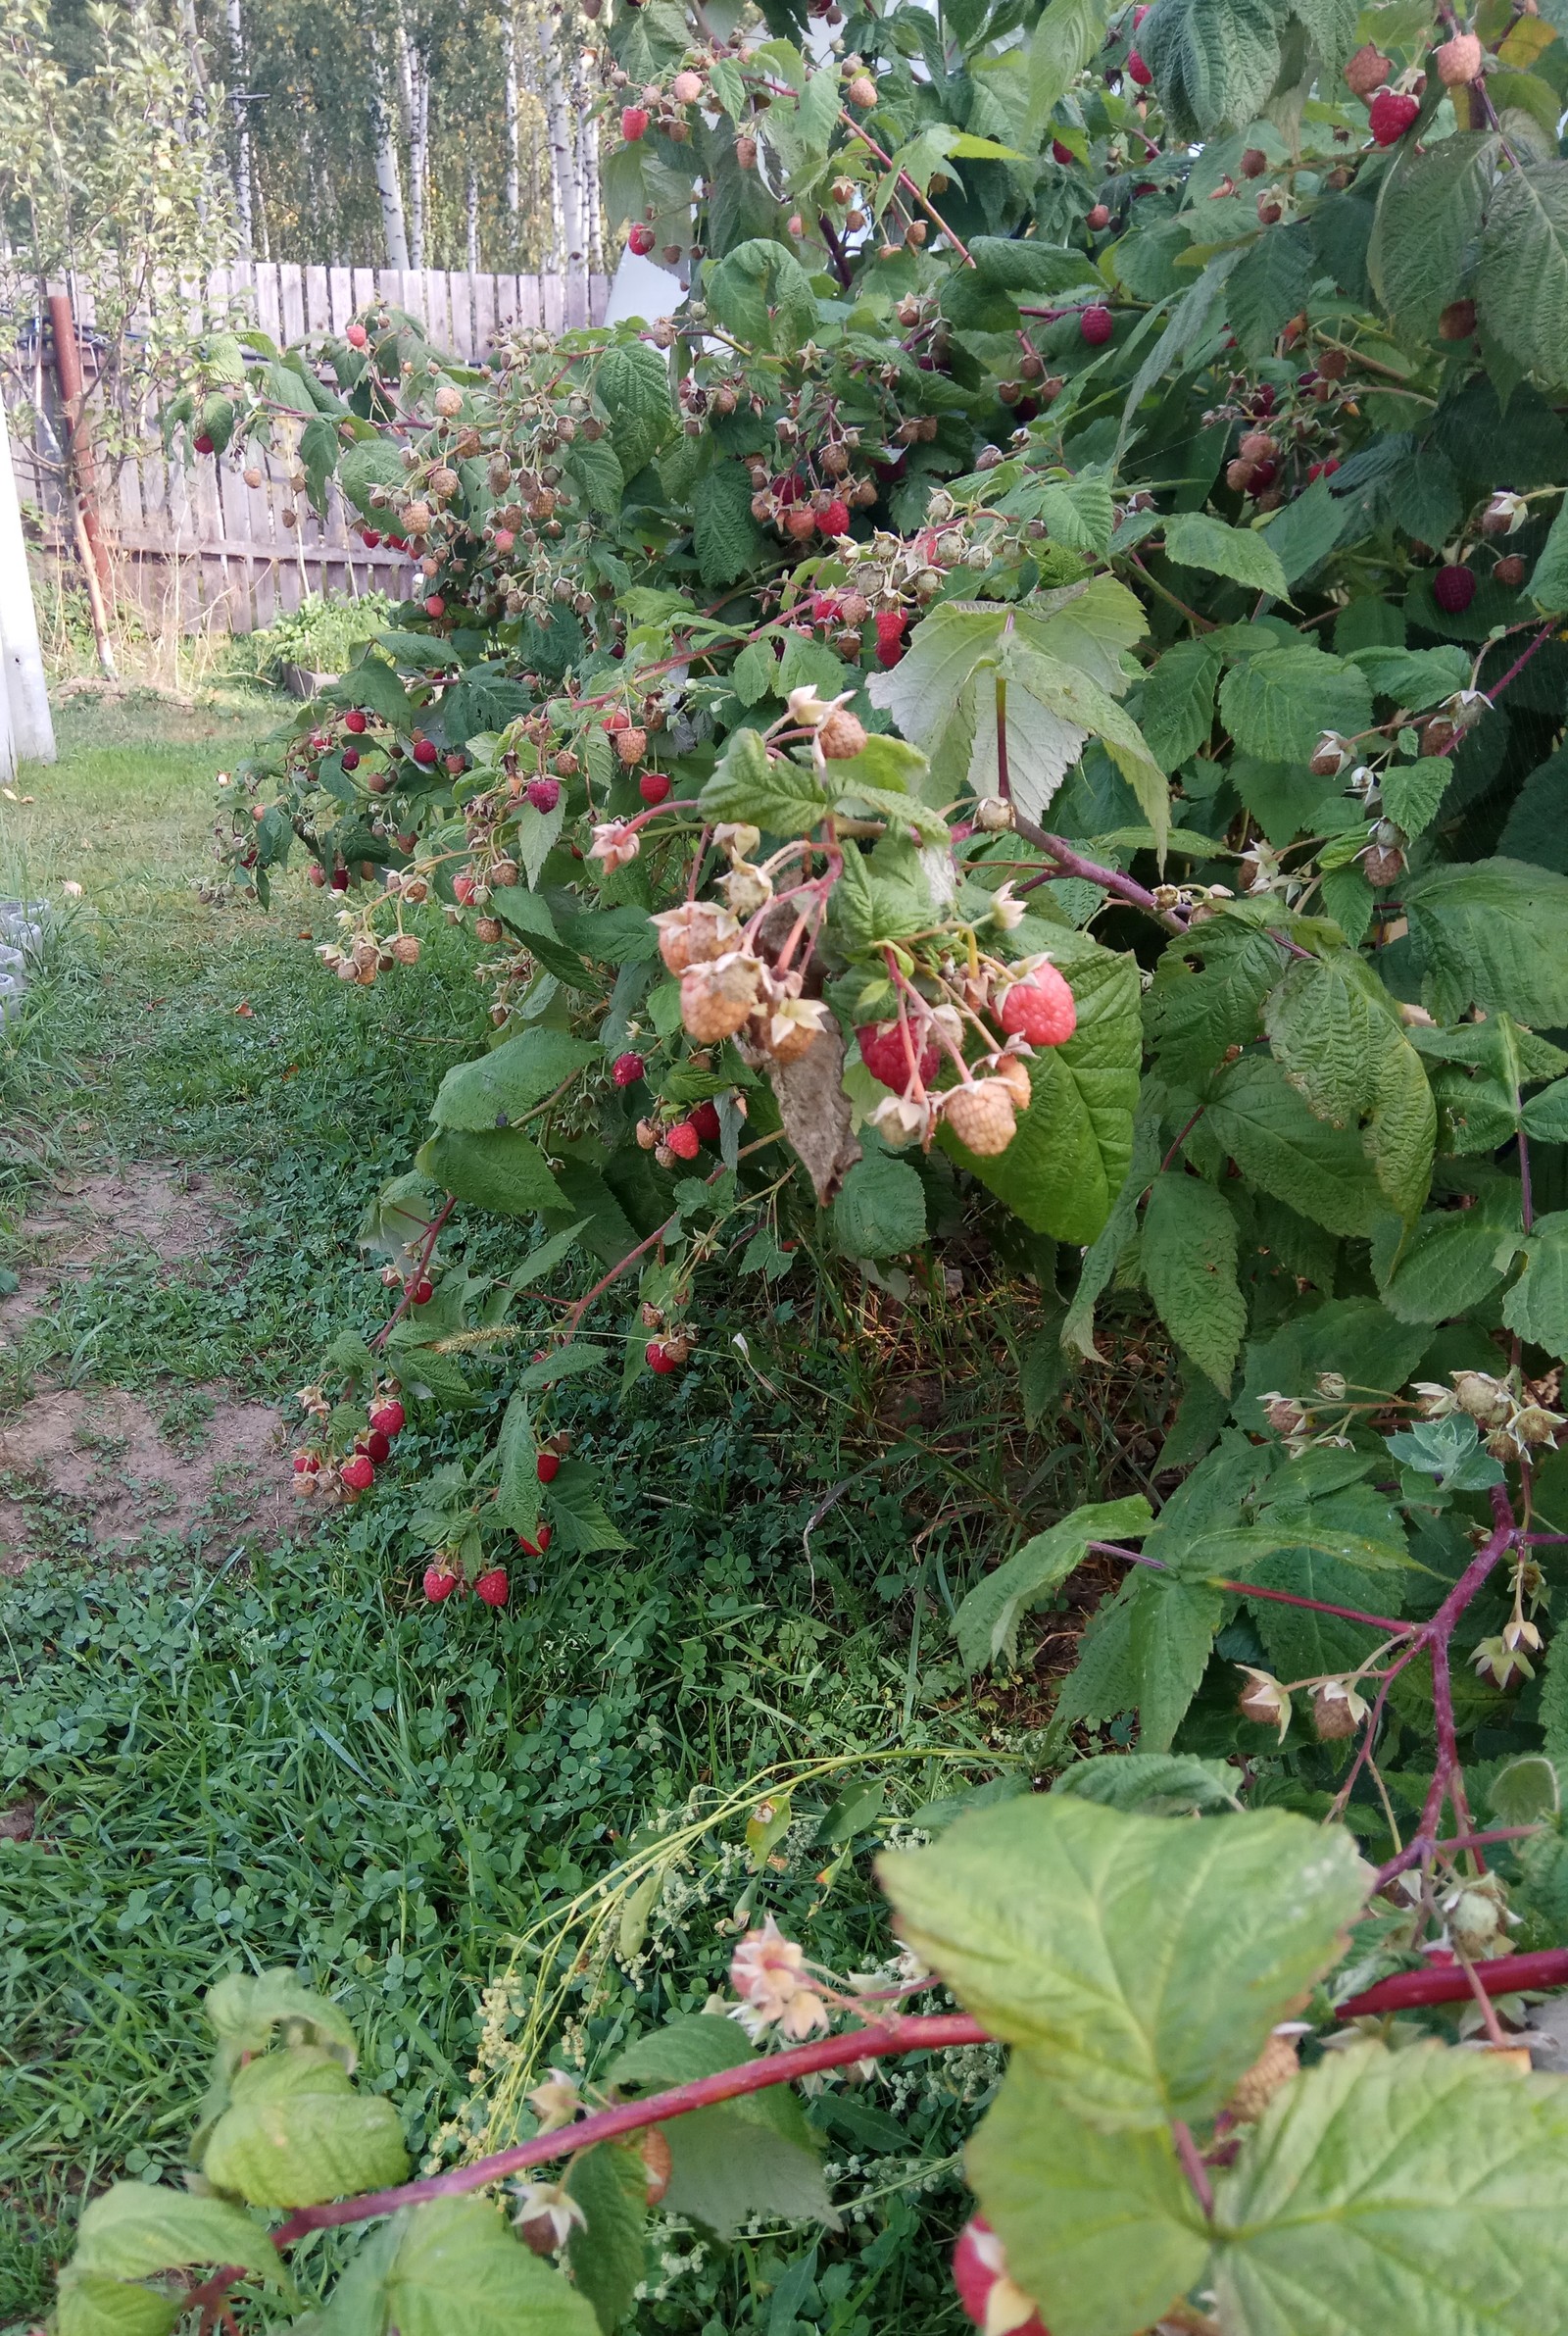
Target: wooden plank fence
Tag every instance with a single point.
(198, 548)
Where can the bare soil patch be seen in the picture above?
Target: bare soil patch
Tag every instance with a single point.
(105, 1467)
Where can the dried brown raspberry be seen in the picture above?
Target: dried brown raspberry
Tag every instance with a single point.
(1274, 2067)
(696, 932)
(840, 735)
(1367, 69)
(631, 746)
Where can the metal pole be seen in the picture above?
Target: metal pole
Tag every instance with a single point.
(91, 549)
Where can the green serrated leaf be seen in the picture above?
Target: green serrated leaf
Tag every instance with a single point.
(1039, 1914)
(986, 1623)
(1189, 1259)
(501, 1086)
(781, 797)
(725, 535)
(458, 2271)
(135, 2228)
(1521, 273)
(1278, 704)
(517, 1452)
(296, 2132)
(880, 1209)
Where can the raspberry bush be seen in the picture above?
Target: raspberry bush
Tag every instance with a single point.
(1030, 701)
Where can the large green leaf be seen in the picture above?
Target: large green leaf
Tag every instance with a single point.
(1447, 1265)
(1207, 994)
(503, 1173)
(1189, 1259)
(517, 1454)
(296, 2132)
(1193, 539)
(1041, 1916)
(458, 2271)
(135, 2228)
(986, 1623)
(632, 384)
(1101, 2229)
(1147, 1650)
(89, 2304)
(1337, 1037)
(1177, 712)
(1522, 276)
(880, 1209)
(780, 797)
(725, 535)
(754, 2155)
(1278, 704)
(609, 2257)
(1066, 37)
(246, 2009)
(1537, 1306)
(1065, 1165)
(1428, 213)
(1490, 933)
(1271, 1135)
(761, 294)
(1214, 61)
(1385, 2192)
(502, 1085)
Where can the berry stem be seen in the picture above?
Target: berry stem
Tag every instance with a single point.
(433, 1234)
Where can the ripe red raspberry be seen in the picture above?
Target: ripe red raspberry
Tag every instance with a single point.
(388, 1417)
(891, 625)
(370, 538)
(1453, 589)
(422, 1291)
(1063, 154)
(359, 1474)
(1391, 116)
(544, 793)
(633, 122)
(882, 1051)
(683, 1140)
(440, 1582)
(304, 1463)
(655, 1356)
(340, 879)
(705, 1119)
(462, 889)
(356, 722)
(492, 1586)
(617, 719)
(539, 1544)
(377, 1445)
(641, 240)
(835, 521)
(654, 786)
(1323, 469)
(826, 608)
(548, 1467)
(426, 752)
(1096, 325)
(979, 2266)
(1138, 70)
(356, 336)
(1041, 1009)
(434, 605)
(626, 1070)
(205, 444)
(349, 758)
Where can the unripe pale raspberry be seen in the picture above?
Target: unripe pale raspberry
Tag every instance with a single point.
(686, 88)
(716, 997)
(631, 745)
(694, 933)
(404, 947)
(1459, 60)
(1390, 115)
(1367, 69)
(448, 401)
(863, 90)
(981, 1115)
(1013, 1073)
(1040, 1009)
(840, 736)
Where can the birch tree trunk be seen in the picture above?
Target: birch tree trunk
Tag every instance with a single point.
(474, 220)
(508, 61)
(413, 86)
(243, 204)
(388, 186)
(567, 188)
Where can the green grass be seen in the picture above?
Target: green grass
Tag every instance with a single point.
(289, 1758)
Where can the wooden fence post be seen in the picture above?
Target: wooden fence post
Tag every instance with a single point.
(80, 476)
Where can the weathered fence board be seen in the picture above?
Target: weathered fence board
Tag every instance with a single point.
(197, 546)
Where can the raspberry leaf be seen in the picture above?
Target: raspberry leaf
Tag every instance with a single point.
(1039, 1914)
(986, 1625)
(1188, 1256)
(458, 2271)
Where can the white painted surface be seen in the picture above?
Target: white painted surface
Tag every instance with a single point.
(25, 727)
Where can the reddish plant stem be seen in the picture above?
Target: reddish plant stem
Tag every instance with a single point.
(1448, 1782)
(571, 1322)
(1248, 1589)
(1519, 663)
(1069, 862)
(1421, 1849)
(1193, 2166)
(1445, 1983)
(904, 180)
(433, 1234)
(932, 2031)
(835, 249)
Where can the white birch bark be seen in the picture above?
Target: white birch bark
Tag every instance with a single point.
(509, 63)
(474, 220)
(566, 189)
(388, 186)
(244, 206)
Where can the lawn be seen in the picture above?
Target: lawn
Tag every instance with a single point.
(244, 1754)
